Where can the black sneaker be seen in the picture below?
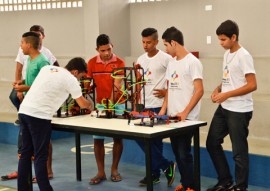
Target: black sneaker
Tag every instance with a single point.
(155, 180)
(17, 122)
(169, 173)
(221, 187)
(236, 188)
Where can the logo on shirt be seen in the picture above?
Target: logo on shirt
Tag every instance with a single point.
(54, 70)
(147, 73)
(226, 76)
(174, 76)
(226, 72)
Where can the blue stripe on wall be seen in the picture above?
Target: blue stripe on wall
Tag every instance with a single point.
(259, 165)
(9, 134)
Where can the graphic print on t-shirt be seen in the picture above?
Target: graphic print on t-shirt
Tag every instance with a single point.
(174, 81)
(147, 76)
(53, 70)
(226, 76)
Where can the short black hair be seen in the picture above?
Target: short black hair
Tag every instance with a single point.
(103, 39)
(150, 32)
(37, 28)
(228, 28)
(77, 63)
(173, 33)
(32, 38)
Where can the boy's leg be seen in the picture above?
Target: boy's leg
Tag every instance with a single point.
(181, 146)
(100, 156)
(238, 130)
(154, 164)
(41, 130)
(217, 131)
(117, 153)
(49, 161)
(25, 165)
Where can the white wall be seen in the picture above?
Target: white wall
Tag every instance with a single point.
(114, 19)
(68, 33)
(196, 23)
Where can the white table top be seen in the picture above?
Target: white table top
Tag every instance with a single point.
(121, 125)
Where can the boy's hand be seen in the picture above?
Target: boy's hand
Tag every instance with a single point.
(160, 93)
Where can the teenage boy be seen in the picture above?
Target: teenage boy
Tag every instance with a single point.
(21, 65)
(16, 97)
(155, 62)
(235, 106)
(100, 68)
(185, 89)
(49, 90)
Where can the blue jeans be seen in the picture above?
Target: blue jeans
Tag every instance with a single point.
(36, 134)
(158, 160)
(14, 99)
(181, 146)
(235, 125)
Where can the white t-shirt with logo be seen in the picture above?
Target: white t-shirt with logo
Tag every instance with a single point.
(181, 75)
(154, 75)
(22, 59)
(49, 91)
(235, 66)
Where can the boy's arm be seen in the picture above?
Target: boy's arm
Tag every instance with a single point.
(21, 88)
(18, 79)
(250, 86)
(18, 73)
(198, 93)
(84, 103)
(164, 105)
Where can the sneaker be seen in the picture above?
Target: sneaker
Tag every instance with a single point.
(10, 176)
(181, 188)
(155, 180)
(17, 122)
(169, 173)
(235, 188)
(221, 187)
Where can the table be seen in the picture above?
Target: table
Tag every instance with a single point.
(119, 128)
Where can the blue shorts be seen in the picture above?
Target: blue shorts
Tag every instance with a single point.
(119, 111)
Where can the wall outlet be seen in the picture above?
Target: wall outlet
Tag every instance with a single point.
(208, 39)
(208, 7)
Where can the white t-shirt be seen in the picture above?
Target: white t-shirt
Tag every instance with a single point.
(235, 66)
(49, 91)
(181, 75)
(22, 59)
(154, 75)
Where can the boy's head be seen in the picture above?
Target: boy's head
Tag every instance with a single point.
(104, 47)
(77, 67)
(38, 29)
(228, 28)
(173, 34)
(149, 39)
(228, 33)
(171, 37)
(30, 40)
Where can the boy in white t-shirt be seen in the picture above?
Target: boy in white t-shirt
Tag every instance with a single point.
(49, 90)
(185, 89)
(16, 97)
(234, 110)
(155, 62)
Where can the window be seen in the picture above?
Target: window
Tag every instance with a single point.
(26, 5)
(144, 1)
